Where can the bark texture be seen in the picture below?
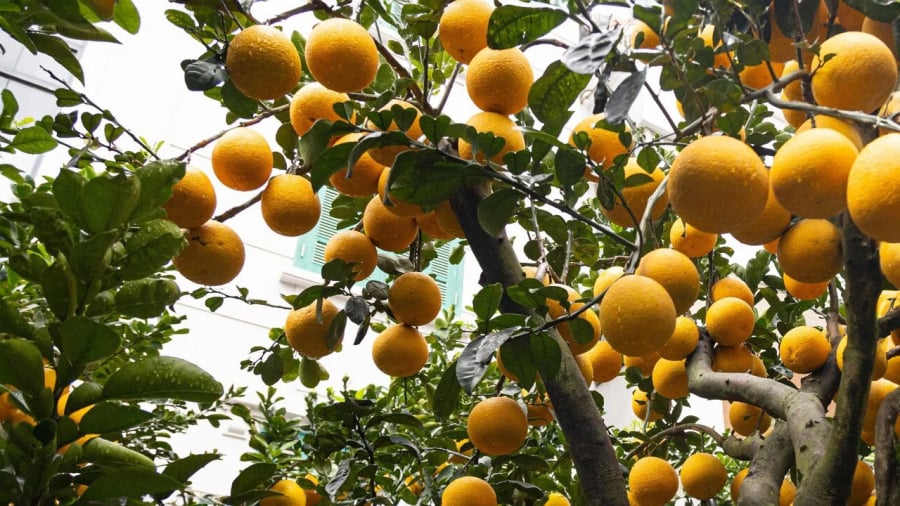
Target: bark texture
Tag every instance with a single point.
(771, 463)
(887, 469)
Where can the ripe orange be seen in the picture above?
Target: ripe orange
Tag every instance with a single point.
(730, 321)
(767, 225)
(746, 418)
(889, 259)
(804, 349)
(850, 18)
(242, 159)
(387, 230)
(414, 298)
(880, 365)
(793, 117)
(429, 225)
(811, 251)
(871, 196)
(732, 286)
(845, 128)
(469, 491)
(670, 379)
(809, 173)
(736, 483)
(447, 219)
(759, 368)
(675, 272)
(690, 240)
(862, 486)
(653, 481)
(193, 200)
(637, 315)
(643, 363)
(605, 144)
(313, 102)
(635, 198)
(341, 55)
(539, 413)
(289, 205)
(883, 31)
(781, 46)
(683, 340)
(385, 155)
(703, 476)
(718, 184)
(497, 426)
(585, 367)
(214, 254)
(397, 206)
(353, 247)
(363, 181)
(804, 291)
(606, 362)
(732, 359)
(556, 310)
(498, 80)
(890, 110)
(860, 75)
(758, 76)
(292, 494)
(721, 59)
(640, 402)
(650, 38)
(499, 125)
(306, 334)
(793, 91)
(263, 63)
(463, 28)
(786, 493)
(400, 351)
(557, 499)
(879, 389)
(606, 277)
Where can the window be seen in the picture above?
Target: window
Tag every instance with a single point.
(311, 252)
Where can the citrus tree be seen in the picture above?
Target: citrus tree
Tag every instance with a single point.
(782, 140)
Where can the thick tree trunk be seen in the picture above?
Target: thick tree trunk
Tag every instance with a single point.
(592, 451)
(771, 463)
(887, 469)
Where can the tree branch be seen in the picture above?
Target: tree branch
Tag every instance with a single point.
(887, 468)
(771, 463)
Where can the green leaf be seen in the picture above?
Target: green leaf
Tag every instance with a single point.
(427, 177)
(162, 378)
(68, 188)
(446, 395)
(133, 482)
(495, 211)
(201, 75)
(396, 419)
(150, 248)
(546, 355)
(84, 340)
(127, 16)
(512, 25)
(271, 369)
(60, 287)
(33, 140)
(570, 166)
(83, 396)
(336, 330)
(107, 417)
(21, 366)
(524, 462)
(146, 298)
(252, 477)
(434, 128)
(555, 91)
(784, 15)
(13, 322)
(56, 48)
(106, 453)
(183, 469)
(236, 102)
(157, 179)
(885, 11)
(90, 258)
(331, 161)
(108, 201)
(487, 300)
(518, 361)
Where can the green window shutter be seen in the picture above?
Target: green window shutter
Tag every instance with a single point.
(447, 275)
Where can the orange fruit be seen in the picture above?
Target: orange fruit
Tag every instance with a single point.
(498, 80)
(341, 55)
(809, 173)
(670, 379)
(400, 351)
(871, 198)
(289, 205)
(759, 76)
(606, 277)
(637, 315)
(429, 225)
(447, 219)
(652, 481)
(781, 45)
(793, 117)
(214, 254)
(499, 125)
(387, 230)
(845, 128)
(718, 184)
(890, 110)
(879, 389)
(263, 63)
(463, 28)
(767, 225)
(643, 363)
(497, 426)
(737, 358)
(786, 493)
(883, 31)
(469, 491)
(605, 361)
(804, 349)
(730, 321)
(585, 367)
(385, 155)
(312, 497)
(860, 76)
(721, 59)
(640, 402)
(193, 200)
(530, 271)
(683, 340)
(675, 272)
(736, 483)
(291, 494)
(313, 102)
(306, 334)
(811, 251)
(759, 368)
(746, 418)
(650, 38)
(690, 240)
(397, 206)
(354, 248)
(732, 286)
(363, 180)
(889, 260)
(242, 159)
(878, 368)
(539, 414)
(635, 198)
(850, 18)
(703, 476)
(414, 298)
(557, 499)
(605, 144)
(556, 310)
(804, 291)
(862, 486)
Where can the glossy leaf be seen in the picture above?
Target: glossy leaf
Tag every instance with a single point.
(513, 25)
(157, 179)
(624, 96)
(495, 211)
(13, 322)
(107, 417)
(106, 453)
(109, 200)
(546, 354)
(84, 395)
(21, 365)
(589, 54)
(162, 378)
(469, 370)
(426, 177)
(83, 340)
(555, 91)
(252, 477)
(33, 140)
(446, 395)
(150, 248)
(517, 360)
(146, 298)
(56, 48)
(132, 482)
(487, 300)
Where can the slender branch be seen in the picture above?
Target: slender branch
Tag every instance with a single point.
(672, 124)
(887, 468)
(252, 121)
(890, 321)
(673, 430)
(450, 82)
(404, 73)
(234, 211)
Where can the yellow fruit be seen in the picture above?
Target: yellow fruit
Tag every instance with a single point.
(400, 351)
(683, 340)
(786, 493)
(889, 111)
(456, 459)
(861, 63)
(605, 144)
(193, 200)
(289, 205)
(718, 184)
(880, 365)
(605, 361)
(804, 291)
(637, 315)
(387, 230)
(793, 117)
(556, 310)
(242, 159)
(730, 321)
(804, 349)
(556, 499)
(652, 481)
(312, 497)
(793, 91)
(721, 59)
(414, 298)
(781, 46)
(892, 371)
(8, 410)
(670, 379)
(585, 367)
(499, 125)
(746, 418)
(732, 287)
(292, 495)
(759, 76)
(363, 180)
(397, 206)
(675, 272)
(703, 476)
(862, 486)
(759, 368)
(767, 225)
(313, 102)
(306, 334)
(871, 196)
(889, 259)
(214, 254)
(690, 240)
(639, 404)
(341, 55)
(498, 80)
(635, 197)
(879, 389)
(732, 359)
(811, 251)
(643, 363)
(539, 415)
(883, 31)
(463, 28)
(469, 491)
(850, 18)
(650, 38)
(845, 128)
(385, 155)
(736, 483)
(530, 271)
(809, 173)
(497, 426)
(354, 248)
(447, 219)
(263, 63)
(606, 277)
